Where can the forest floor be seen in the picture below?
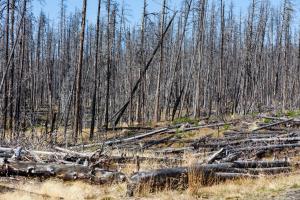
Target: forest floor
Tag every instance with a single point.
(279, 187)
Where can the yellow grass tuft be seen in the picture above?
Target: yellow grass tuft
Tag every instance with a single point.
(248, 189)
(67, 190)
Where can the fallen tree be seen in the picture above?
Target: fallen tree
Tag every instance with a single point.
(273, 124)
(174, 178)
(62, 171)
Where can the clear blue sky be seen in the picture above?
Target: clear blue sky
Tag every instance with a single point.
(133, 7)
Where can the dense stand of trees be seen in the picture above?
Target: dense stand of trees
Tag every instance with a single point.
(206, 58)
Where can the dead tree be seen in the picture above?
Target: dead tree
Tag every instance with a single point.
(161, 62)
(93, 109)
(108, 65)
(77, 116)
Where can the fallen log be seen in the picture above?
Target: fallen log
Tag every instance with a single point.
(225, 143)
(260, 164)
(156, 142)
(231, 157)
(201, 140)
(35, 157)
(129, 128)
(199, 127)
(178, 177)
(61, 171)
(137, 137)
(254, 135)
(257, 171)
(72, 153)
(46, 153)
(276, 139)
(213, 157)
(267, 147)
(208, 173)
(278, 118)
(247, 133)
(161, 174)
(174, 150)
(157, 179)
(111, 142)
(6, 154)
(223, 176)
(273, 124)
(112, 160)
(269, 171)
(272, 118)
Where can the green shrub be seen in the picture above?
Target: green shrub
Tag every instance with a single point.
(267, 121)
(183, 120)
(226, 127)
(293, 113)
(254, 114)
(178, 133)
(278, 114)
(295, 186)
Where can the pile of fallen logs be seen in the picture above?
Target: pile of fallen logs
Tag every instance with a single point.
(44, 164)
(238, 154)
(267, 150)
(174, 178)
(129, 141)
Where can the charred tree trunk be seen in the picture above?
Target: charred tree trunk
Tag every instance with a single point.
(77, 117)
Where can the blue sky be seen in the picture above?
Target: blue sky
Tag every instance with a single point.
(133, 7)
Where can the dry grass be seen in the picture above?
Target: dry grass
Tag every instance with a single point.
(71, 190)
(263, 188)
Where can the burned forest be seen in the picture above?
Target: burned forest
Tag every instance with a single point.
(183, 99)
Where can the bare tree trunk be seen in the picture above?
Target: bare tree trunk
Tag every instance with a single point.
(201, 26)
(93, 111)
(6, 63)
(140, 99)
(11, 89)
(79, 75)
(21, 74)
(220, 100)
(108, 73)
(157, 98)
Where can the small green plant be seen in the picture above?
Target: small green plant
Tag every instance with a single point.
(178, 133)
(149, 123)
(226, 127)
(107, 198)
(278, 114)
(295, 186)
(254, 114)
(267, 121)
(293, 113)
(130, 133)
(183, 120)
